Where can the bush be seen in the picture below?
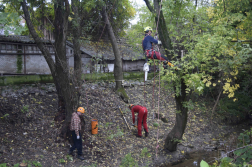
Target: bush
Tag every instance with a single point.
(128, 161)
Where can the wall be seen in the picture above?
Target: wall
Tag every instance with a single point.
(31, 61)
(36, 64)
(136, 65)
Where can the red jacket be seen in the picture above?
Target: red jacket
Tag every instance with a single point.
(137, 109)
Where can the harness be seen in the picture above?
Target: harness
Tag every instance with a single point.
(150, 52)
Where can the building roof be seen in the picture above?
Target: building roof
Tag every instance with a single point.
(97, 51)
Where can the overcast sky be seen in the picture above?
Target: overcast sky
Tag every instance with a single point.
(139, 3)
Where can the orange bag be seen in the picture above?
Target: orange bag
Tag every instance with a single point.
(94, 126)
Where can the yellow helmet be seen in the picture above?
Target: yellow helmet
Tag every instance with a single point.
(147, 29)
(131, 105)
(81, 110)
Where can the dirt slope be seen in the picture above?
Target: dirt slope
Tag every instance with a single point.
(28, 133)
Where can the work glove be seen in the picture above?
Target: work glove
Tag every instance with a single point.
(78, 137)
(159, 42)
(134, 125)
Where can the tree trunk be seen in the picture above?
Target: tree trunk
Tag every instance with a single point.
(177, 131)
(59, 68)
(61, 65)
(118, 73)
(76, 79)
(162, 30)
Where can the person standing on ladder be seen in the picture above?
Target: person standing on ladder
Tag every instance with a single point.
(141, 118)
(147, 44)
(75, 128)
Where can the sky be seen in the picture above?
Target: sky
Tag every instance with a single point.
(139, 3)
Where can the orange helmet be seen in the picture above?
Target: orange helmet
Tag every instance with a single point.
(81, 110)
(131, 105)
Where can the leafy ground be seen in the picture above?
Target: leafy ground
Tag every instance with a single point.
(29, 135)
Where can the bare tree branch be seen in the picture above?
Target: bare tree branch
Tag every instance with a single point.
(37, 39)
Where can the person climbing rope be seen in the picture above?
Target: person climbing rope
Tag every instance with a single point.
(141, 118)
(147, 44)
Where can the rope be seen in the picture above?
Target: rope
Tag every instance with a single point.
(159, 82)
(153, 89)
(144, 90)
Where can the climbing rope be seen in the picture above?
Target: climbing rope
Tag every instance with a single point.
(159, 82)
(153, 89)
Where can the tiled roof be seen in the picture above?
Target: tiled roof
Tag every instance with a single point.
(92, 50)
(16, 38)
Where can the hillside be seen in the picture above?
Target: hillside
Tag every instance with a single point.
(29, 134)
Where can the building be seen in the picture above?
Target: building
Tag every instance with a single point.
(20, 55)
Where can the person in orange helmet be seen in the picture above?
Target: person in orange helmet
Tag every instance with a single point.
(141, 118)
(75, 128)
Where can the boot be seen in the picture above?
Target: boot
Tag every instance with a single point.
(138, 136)
(80, 157)
(146, 133)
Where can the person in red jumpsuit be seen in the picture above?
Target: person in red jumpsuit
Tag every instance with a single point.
(141, 118)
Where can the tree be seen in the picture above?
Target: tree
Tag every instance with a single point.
(67, 90)
(176, 133)
(68, 83)
(209, 51)
(118, 74)
(10, 22)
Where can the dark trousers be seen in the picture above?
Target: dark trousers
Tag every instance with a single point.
(77, 143)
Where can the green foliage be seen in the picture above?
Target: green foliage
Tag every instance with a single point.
(10, 23)
(155, 124)
(5, 115)
(16, 165)
(243, 155)
(92, 165)
(19, 64)
(128, 161)
(189, 105)
(118, 134)
(245, 138)
(203, 164)
(36, 164)
(28, 162)
(62, 160)
(123, 93)
(145, 153)
(3, 165)
(175, 140)
(25, 109)
(234, 111)
(108, 124)
(69, 158)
